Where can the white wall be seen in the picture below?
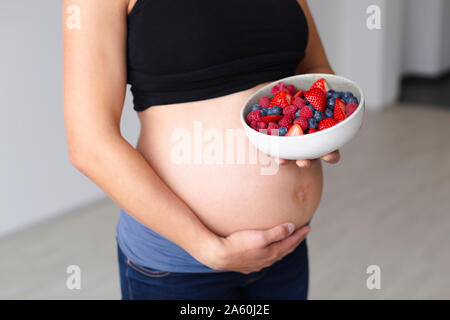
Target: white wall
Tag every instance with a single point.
(36, 179)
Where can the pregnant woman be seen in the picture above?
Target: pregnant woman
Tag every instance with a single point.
(190, 230)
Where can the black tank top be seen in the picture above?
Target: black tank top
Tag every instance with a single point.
(190, 50)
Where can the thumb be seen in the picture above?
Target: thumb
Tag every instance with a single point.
(278, 233)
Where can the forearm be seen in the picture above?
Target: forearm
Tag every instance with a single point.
(126, 177)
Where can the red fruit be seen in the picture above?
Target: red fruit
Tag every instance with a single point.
(295, 130)
(326, 123)
(285, 121)
(253, 124)
(273, 118)
(350, 108)
(302, 122)
(316, 98)
(321, 84)
(264, 102)
(306, 112)
(261, 125)
(339, 110)
(291, 89)
(299, 94)
(282, 99)
(299, 102)
(255, 115)
(311, 130)
(277, 88)
(290, 111)
(272, 128)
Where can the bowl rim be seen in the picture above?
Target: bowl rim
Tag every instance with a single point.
(358, 110)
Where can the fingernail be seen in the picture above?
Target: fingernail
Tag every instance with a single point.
(291, 227)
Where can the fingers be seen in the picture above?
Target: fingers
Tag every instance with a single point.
(277, 233)
(332, 157)
(288, 245)
(303, 163)
(281, 161)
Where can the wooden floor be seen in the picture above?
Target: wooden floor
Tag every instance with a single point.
(387, 204)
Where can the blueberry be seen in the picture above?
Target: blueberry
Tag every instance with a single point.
(330, 93)
(329, 113)
(353, 99)
(264, 112)
(276, 110)
(347, 95)
(311, 108)
(282, 131)
(297, 114)
(330, 103)
(336, 94)
(312, 123)
(255, 107)
(318, 115)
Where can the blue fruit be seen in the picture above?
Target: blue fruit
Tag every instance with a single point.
(264, 112)
(318, 115)
(311, 107)
(282, 131)
(255, 107)
(329, 113)
(330, 103)
(330, 93)
(312, 123)
(347, 95)
(353, 99)
(276, 110)
(336, 94)
(297, 114)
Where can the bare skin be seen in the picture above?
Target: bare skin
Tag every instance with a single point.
(219, 231)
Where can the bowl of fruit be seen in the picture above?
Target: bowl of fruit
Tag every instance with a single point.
(304, 116)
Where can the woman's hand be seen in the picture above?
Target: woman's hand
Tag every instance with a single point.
(252, 250)
(332, 157)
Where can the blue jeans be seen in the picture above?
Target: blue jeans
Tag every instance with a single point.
(285, 279)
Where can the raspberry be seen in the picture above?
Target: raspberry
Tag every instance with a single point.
(302, 122)
(253, 124)
(290, 111)
(261, 125)
(285, 121)
(306, 112)
(272, 126)
(299, 102)
(277, 88)
(264, 102)
(255, 115)
(291, 89)
(350, 108)
(311, 130)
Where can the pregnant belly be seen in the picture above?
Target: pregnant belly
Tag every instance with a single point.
(201, 152)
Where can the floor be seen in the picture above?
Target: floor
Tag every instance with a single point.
(386, 204)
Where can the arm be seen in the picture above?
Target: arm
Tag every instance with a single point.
(94, 83)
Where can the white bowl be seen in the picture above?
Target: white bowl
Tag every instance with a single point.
(309, 146)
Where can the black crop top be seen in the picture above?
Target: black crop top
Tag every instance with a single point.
(189, 50)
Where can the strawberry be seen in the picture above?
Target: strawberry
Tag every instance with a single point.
(311, 130)
(299, 94)
(321, 84)
(316, 98)
(282, 99)
(295, 130)
(339, 110)
(273, 118)
(326, 123)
